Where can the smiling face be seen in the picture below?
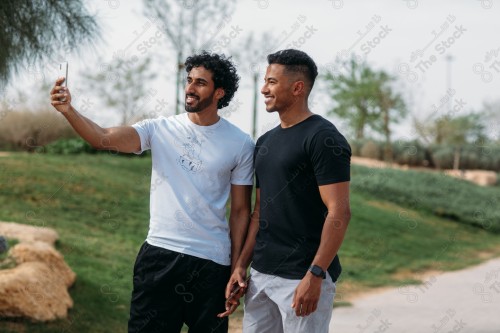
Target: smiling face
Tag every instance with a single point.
(200, 92)
(278, 88)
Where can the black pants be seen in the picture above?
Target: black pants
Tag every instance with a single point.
(171, 288)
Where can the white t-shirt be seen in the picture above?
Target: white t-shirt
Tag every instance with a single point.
(193, 169)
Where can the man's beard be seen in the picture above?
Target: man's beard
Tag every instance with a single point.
(200, 104)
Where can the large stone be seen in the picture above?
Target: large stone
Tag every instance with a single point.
(33, 290)
(43, 252)
(28, 233)
(37, 288)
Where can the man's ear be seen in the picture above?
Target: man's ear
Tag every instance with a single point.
(219, 93)
(298, 88)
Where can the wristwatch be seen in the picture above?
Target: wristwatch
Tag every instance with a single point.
(317, 271)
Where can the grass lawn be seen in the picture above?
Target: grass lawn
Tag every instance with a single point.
(99, 205)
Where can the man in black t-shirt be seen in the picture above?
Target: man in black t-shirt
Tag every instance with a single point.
(302, 169)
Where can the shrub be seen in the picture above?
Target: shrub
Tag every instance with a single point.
(434, 192)
(371, 149)
(29, 131)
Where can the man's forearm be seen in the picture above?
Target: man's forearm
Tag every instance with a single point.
(238, 226)
(332, 237)
(86, 128)
(245, 257)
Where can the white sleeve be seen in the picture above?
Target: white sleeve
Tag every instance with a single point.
(145, 129)
(242, 174)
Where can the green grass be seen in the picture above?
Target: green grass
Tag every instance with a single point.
(99, 205)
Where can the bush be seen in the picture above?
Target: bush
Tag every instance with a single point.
(372, 149)
(69, 146)
(409, 153)
(434, 192)
(29, 131)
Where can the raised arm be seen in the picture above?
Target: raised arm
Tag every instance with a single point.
(122, 138)
(336, 199)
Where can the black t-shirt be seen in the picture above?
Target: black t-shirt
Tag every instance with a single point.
(290, 164)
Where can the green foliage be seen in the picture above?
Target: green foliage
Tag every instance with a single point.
(69, 146)
(485, 157)
(438, 194)
(364, 97)
(5, 260)
(34, 30)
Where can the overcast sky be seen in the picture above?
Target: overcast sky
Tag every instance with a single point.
(409, 39)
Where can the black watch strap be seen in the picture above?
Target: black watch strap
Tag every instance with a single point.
(317, 271)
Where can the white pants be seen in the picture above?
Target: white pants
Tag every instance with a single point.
(268, 306)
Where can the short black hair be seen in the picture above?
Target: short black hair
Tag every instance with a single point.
(223, 73)
(295, 61)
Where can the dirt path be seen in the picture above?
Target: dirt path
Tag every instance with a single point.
(465, 301)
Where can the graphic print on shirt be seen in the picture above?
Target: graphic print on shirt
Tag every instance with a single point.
(190, 159)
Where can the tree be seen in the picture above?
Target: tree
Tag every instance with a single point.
(354, 91)
(190, 26)
(365, 98)
(392, 108)
(121, 85)
(34, 30)
(453, 131)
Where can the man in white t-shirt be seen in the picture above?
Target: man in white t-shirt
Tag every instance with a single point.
(199, 159)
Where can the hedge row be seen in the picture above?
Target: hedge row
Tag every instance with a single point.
(413, 153)
(433, 192)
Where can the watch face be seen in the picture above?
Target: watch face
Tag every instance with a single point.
(316, 270)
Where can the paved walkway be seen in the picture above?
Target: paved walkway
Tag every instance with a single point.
(466, 301)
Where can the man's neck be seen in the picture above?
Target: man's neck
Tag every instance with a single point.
(294, 115)
(206, 117)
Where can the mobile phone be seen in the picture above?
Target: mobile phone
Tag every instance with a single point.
(237, 289)
(63, 72)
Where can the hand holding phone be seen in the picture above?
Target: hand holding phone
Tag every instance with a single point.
(237, 288)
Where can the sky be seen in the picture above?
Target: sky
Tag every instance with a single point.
(444, 54)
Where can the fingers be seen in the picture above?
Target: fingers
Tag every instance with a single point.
(230, 308)
(304, 308)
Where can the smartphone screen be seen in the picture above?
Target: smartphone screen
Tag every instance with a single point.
(63, 71)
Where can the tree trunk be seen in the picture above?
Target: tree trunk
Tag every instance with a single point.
(255, 97)
(178, 83)
(456, 159)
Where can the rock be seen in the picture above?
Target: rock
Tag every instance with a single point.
(37, 288)
(27, 233)
(43, 252)
(33, 290)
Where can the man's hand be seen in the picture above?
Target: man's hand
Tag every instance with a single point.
(236, 281)
(306, 296)
(57, 94)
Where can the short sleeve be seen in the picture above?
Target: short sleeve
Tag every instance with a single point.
(330, 155)
(145, 129)
(242, 174)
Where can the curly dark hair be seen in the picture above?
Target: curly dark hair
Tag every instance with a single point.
(223, 73)
(295, 61)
